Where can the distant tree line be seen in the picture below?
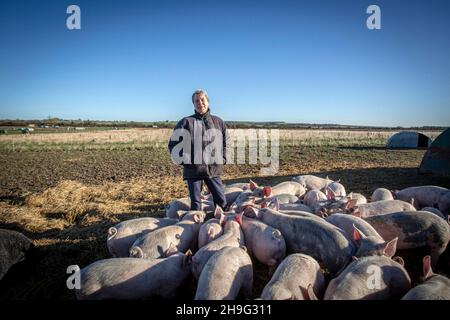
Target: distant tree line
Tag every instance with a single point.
(53, 122)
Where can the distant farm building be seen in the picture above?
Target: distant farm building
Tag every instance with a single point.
(26, 130)
(437, 157)
(408, 140)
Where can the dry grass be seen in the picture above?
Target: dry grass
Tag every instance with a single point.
(72, 202)
(145, 138)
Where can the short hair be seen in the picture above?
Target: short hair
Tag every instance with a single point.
(200, 91)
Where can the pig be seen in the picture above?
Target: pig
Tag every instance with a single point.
(176, 208)
(133, 278)
(434, 287)
(228, 272)
(284, 198)
(232, 236)
(310, 182)
(347, 222)
(381, 194)
(313, 236)
(313, 197)
(370, 278)
(209, 231)
(426, 196)
(122, 236)
(414, 229)
(377, 208)
(168, 240)
(434, 211)
(14, 248)
(290, 187)
(245, 199)
(294, 207)
(337, 189)
(287, 208)
(360, 199)
(263, 242)
(274, 203)
(252, 211)
(292, 278)
(366, 238)
(340, 204)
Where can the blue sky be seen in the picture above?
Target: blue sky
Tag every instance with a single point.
(293, 61)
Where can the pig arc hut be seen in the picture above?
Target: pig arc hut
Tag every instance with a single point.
(408, 140)
(437, 157)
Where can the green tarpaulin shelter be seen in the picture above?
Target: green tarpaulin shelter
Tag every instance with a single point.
(437, 157)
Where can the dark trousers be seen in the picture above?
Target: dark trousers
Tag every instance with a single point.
(215, 187)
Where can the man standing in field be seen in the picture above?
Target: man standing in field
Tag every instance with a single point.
(202, 151)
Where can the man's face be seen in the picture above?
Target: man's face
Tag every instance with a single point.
(201, 103)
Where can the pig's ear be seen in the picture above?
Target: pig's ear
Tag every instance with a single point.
(221, 219)
(249, 211)
(171, 250)
(276, 234)
(358, 234)
(217, 212)
(354, 258)
(350, 204)
(244, 248)
(210, 230)
(412, 202)
(267, 191)
(187, 257)
(252, 185)
(239, 218)
(390, 247)
(427, 271)
(136, 252)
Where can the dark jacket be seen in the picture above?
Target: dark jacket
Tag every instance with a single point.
(198, 124)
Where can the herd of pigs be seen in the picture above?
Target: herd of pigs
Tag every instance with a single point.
(300, 229)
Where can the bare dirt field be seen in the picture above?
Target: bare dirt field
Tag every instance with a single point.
(64, 195)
